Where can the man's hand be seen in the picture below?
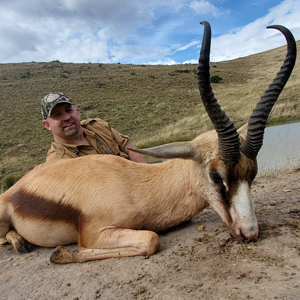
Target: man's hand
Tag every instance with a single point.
(133, 155)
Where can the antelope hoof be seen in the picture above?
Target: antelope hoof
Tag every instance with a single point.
(61, 255)
(23, 249)
(17, 241)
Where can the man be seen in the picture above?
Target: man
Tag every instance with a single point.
(73, 138)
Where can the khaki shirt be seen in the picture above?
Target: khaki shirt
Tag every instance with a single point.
(97, 132)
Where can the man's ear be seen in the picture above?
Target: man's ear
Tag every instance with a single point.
(78, 111)
(46, 125)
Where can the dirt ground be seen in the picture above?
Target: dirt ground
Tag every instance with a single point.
(197, 260)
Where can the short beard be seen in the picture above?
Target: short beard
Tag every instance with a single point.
(72, 132)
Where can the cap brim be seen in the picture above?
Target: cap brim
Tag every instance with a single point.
(58, 102)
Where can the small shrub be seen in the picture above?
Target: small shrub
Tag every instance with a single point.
(99, 84)
(10, 180)
(88, 107)
(66, 71)
(183, 71)
(25, 75)
(215, 79)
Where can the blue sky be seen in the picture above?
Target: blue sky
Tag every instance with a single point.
(140, 31)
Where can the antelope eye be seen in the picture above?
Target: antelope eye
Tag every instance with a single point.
(215, 177)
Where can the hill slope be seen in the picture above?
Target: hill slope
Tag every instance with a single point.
(152, 104)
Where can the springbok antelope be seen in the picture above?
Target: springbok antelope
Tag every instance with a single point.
(113, 207)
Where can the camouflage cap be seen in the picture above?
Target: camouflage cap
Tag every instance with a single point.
(49, 101)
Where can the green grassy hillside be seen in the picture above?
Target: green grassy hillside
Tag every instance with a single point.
(152, 104)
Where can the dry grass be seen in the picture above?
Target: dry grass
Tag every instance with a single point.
(153, 104)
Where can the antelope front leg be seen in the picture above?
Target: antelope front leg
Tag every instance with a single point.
(112, 242)
(17, 241)
(4, 229)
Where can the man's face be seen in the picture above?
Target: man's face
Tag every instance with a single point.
(64, 121)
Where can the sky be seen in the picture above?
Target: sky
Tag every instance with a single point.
(140, 31)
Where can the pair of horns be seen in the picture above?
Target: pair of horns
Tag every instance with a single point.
(229, 143)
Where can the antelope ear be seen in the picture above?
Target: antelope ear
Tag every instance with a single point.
(172, 150)
(242, 131)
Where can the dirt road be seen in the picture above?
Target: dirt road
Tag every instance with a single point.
(195, 261)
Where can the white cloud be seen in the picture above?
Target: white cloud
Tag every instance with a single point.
(254, 37)
(166, 61)
(135, 31)
(191, 61)
(76, 30)
(184, 47)
(122, 52)
(204, 7)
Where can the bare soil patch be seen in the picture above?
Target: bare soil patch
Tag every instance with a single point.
(192, 263)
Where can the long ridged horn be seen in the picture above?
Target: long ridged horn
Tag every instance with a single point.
(259, 117)
(229, 143)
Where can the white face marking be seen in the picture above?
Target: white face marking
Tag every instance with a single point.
(242, 211)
